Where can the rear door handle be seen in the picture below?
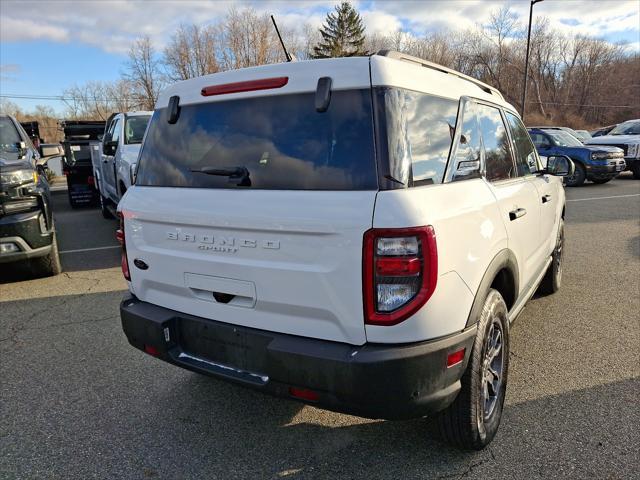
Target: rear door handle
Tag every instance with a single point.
(517, 213)
(546, 198)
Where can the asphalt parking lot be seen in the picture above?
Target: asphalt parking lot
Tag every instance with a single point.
(77, 401)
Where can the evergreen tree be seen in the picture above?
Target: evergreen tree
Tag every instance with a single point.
(342, 34)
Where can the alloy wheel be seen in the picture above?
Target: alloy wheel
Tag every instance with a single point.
(492, 368)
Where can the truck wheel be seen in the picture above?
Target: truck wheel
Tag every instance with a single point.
(472, 420)
(636, 170)
(49, 265)
(106, 213)
(553, 278)
(578, 177)
(600, 181)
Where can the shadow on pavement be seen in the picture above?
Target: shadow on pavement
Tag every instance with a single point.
(79, 402)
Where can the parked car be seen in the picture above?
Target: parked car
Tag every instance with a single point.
(349, 241)
(602, 131)
(27, 231)
(571, 131)
(598, 164)
(626, 136)
(115, 162)
(583, 135)
(80, 138)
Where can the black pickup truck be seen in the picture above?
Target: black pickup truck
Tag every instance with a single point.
(79, 138)
(27, 232)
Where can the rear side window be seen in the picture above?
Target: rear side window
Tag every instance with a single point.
(283, 142)
(526, 160)
(420, 130)
(497, 154)
(467, 154)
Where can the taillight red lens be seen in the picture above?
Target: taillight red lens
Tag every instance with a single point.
(249, 86)
(400, 269)
(124, 262)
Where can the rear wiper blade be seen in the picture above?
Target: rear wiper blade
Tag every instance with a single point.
(238, 175)
(223, 172)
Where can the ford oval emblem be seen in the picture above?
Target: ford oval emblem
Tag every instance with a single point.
(140, 264)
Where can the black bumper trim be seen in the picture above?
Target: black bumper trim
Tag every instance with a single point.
(389, 381)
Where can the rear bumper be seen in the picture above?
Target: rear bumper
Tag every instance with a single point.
(372, 380)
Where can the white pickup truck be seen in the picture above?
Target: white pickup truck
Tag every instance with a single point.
(354, 233)
(114, 160)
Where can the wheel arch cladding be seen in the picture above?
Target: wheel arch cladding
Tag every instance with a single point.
(501, 275)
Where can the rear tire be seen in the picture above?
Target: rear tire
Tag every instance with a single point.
(49, 265)
(553, 278)
(636, 170)
(578, 177)
(473, 418)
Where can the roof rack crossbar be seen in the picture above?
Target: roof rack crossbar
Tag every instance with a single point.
(408, 58)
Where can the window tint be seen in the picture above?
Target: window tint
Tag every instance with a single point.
(134, 129)
(467, 156)
(564, 139)
(540, 141)
(526, 160)
(281, 140)
(420, 131)
(115, 132)
(497, 155)
(9, 139)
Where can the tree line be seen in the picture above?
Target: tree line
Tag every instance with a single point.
(574, 80)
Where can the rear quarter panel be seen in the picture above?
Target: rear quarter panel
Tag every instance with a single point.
(469, 233)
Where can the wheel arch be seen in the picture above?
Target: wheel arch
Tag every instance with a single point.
(501, 275)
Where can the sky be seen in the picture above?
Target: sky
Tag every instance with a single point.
(49, 45)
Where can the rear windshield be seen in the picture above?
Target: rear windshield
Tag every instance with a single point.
(282, 141)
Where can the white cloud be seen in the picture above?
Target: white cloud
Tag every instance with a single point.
(380, 22)
(20, 29)
(113, 25)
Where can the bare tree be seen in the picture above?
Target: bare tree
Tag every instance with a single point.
(144, 72)
(192, 52)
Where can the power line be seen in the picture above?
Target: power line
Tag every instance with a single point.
(69, 99)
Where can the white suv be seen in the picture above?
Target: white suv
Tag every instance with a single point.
(354, 233)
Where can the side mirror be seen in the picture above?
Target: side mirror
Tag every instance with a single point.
(109, 147)
(559, 166)
(50, 150)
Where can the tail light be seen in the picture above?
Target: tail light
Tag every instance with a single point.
(400, 272)
(124, 262)
(249, 86)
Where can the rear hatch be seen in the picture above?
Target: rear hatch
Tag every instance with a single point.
(251, 208)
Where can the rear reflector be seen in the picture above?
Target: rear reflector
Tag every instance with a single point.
(304, 394)
(151, 350)
(455, 358)
(262, 84)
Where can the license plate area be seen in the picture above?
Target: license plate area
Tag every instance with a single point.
(236, 347)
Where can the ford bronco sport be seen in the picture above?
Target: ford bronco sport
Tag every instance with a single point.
(355, 233)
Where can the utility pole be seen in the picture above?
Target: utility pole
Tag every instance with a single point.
(526, 60)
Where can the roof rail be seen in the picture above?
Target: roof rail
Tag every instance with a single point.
(408, 58)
